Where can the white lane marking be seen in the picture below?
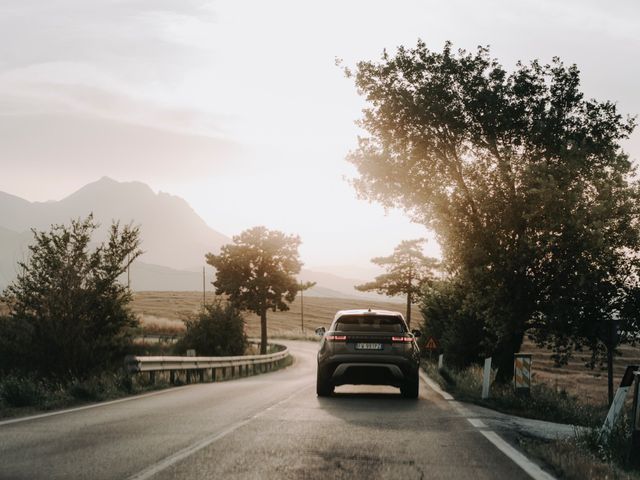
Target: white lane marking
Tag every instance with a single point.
(476, 422)
(434, 386)
(518, 458)
(87, 407)
(186, 452)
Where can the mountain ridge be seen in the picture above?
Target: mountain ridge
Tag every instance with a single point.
(174, 237)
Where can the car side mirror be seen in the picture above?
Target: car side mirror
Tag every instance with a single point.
(416, 333)
(320, 331)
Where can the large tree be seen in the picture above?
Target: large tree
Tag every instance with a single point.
(407, 271)
(68, 311)
(522, 179)
(257, 273)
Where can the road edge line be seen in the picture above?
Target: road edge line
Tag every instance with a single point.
(531, 468)
(434, 386)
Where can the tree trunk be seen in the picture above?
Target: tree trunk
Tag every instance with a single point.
(409, 310)
(503, 357)
(263, 332)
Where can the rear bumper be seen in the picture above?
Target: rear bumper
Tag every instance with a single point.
(368, 369)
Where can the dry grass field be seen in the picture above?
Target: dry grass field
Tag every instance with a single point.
(164, 311)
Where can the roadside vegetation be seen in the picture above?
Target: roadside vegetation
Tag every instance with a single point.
(544, 403)
(217, 330)
(583, 456)
(66, 323)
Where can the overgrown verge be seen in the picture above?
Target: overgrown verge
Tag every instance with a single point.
(583, 456)
(544, 403)
(21, 395)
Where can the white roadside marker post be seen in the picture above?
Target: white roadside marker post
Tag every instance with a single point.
(486, 379)
(618, 401)
(440, 361)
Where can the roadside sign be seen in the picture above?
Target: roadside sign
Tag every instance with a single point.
(431, 344)
(522, 373)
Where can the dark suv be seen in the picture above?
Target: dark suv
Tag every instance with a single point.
(370, 347)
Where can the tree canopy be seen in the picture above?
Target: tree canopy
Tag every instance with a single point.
(522, 179)
(407, 270)
(257, 272)
(68, 311)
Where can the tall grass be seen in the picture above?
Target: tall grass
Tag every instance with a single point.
(543, 403)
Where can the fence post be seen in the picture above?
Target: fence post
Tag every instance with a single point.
(486, 378)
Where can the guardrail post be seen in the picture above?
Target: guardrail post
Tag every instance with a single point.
(152, 377)
(172, 377)
(201, 375)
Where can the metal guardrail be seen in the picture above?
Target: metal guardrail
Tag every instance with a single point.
(208, 368)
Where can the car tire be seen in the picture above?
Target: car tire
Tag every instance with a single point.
(323, 385)
(411, 388)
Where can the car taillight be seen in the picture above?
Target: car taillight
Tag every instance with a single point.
(336, 338)
(401, 339)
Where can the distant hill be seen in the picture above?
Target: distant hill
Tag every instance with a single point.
(173, 235)
(174, 238)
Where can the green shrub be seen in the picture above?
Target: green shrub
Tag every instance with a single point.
(21, 392)
(217, 330)
(68, 313)
(456, 328)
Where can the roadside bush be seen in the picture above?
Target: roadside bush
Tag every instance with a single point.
(21, 392)
(217, 330)
(68, 315)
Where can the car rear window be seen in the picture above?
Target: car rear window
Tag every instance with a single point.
(369, 323)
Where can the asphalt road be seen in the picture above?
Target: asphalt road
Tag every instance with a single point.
(270, 426)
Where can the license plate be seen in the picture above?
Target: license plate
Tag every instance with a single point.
(368, 346)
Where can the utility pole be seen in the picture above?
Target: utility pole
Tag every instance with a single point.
(610, 336)
(302, 287)
(204, 295)
(128, 274)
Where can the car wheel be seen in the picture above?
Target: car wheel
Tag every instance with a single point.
(411, 388)
(323, 385)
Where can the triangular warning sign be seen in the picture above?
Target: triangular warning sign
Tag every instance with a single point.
(432, 344)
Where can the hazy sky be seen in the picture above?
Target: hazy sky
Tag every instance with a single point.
(238, 107)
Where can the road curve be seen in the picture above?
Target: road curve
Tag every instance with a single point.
(270, 426)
